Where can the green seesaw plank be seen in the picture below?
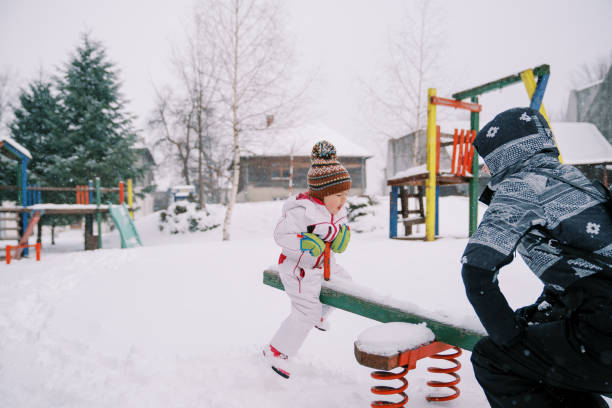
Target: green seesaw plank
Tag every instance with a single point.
(457, 336)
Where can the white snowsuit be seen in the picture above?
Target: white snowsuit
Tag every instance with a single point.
(300, 272)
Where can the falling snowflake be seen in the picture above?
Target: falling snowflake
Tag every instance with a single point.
(525, 117)
(492, 131)
(592, 228)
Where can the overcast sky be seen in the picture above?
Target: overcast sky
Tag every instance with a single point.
(345, 41)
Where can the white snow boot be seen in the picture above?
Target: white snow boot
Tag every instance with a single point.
(277, 360)
(323, 324)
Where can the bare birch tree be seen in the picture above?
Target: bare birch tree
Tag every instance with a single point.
(184, 119)
(400, 104)
(198, 69)
(172, 120)
(254, 57)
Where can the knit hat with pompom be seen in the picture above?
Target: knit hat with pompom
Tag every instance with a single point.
(326, 175)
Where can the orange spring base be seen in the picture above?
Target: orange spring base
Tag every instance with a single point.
(386, 390)
(452, 371)
(400, 391)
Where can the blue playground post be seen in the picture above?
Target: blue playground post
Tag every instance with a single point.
(538, 95)
(98, 214)
(23, 181)
(437, 233)
(393, 211)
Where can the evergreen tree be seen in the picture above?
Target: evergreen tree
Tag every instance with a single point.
(38, 126)
(76, 128)
(101, 133)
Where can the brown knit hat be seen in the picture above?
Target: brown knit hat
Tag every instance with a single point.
(326, 175)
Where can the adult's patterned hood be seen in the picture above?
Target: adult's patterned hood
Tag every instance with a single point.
(512, 137)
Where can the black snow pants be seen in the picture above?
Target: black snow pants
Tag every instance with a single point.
(566, 362)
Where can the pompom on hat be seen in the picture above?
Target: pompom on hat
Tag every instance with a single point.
(326, 175)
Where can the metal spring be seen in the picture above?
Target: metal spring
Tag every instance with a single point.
(386, 390)
(450, 371)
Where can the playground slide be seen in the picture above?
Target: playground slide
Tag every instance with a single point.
(121, 217)
(22, 247)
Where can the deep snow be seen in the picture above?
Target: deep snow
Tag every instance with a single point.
(181, 321)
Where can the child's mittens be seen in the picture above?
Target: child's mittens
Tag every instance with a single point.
(311, 242)
(342, 239)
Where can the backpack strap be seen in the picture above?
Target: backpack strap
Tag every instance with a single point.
(603, 193)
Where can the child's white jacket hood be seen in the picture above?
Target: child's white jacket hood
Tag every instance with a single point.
(302, 213)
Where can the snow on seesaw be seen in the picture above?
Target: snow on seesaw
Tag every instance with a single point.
(181, 321)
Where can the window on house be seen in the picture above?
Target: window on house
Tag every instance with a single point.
(280, 173)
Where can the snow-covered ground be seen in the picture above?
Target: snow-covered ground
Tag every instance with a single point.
(181, 321)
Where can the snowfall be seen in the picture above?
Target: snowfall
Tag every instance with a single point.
(181, 321)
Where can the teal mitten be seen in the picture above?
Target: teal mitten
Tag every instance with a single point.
(310, 242)
(342, 239)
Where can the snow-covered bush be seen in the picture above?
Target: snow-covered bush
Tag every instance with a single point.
(362, 213)
(183, 216)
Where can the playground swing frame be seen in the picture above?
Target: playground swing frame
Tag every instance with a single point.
(535, 91)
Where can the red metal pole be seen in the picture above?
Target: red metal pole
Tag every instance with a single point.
(468, 151)
(471, 151)
(464, 152)
(455, 139)
(460, 158)
(453, 103)
(121, 193)
(326, 267)
(437, 149)
(81, 195)
(8, 254)
(38, 247)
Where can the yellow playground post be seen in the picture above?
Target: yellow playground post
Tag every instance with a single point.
(430, 186)
(130, 197)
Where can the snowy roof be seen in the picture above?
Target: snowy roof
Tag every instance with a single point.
(579, 142)
(9, 140)
(300, 140)
(590, 85)
(187, 187)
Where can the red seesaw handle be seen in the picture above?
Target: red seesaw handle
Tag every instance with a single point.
(326, 268)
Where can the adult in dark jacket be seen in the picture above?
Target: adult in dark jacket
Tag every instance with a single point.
(558, 351)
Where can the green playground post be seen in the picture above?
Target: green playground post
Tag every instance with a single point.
(527, 77)
(98, 213)
(474, 124)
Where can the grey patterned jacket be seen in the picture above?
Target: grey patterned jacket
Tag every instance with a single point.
(533, 213)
